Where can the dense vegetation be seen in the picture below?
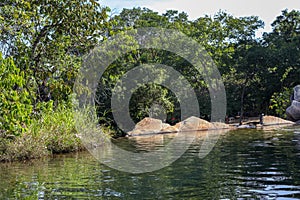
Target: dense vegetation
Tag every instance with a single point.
(42, 44)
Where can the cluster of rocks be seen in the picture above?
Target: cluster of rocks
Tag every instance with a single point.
(149, 126)
(293, 111)
(152, 126)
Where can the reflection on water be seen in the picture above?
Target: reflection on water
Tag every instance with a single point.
(151, 153)
(244, 164)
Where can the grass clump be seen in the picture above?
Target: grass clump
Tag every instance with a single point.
(57, 130)
(24, 147)
(52, 132)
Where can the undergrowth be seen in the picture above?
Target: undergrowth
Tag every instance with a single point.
(53, 132)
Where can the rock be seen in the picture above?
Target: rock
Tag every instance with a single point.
(271, 120)
(170, 129)
(177, 125)
(297, 93)
(275, 123)
(167, 128)
(136, 132)
(165, 125)
(193, 124)
(293, 111)
(220, 125)
(147, 126)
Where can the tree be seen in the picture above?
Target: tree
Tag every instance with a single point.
(230, 40)
(283, 43)
(47, 38)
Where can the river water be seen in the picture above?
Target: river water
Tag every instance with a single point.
(244, 164)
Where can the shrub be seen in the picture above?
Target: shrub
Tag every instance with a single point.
(23, 148)
(15, 100)
(280, 101)
(56, 127)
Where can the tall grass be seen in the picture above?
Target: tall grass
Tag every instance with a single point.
(53, 132)
(57, 130)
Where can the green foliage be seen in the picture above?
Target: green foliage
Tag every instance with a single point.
(57, 129)
(15, 100)
(221, 35)
(280, 101)
(52, 132)
(47, 38)
(150, 100)
(283, 43)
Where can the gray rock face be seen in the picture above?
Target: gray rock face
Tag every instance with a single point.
(297, 93)
(293, 111)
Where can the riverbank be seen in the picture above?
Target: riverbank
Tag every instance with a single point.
(55, 133)
(52, 133)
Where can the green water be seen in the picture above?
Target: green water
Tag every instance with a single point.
(245, 164)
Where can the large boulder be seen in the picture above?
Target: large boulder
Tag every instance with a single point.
(220, 125)
(297, 93)
(274, 123)
(193, 124)
(271, 120)
(169, 129)
(147, 126)
(293, 111)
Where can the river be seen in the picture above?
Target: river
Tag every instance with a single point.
(244, 164)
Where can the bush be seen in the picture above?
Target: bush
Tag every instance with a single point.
(53, 131)
(56, 127)
(280, 101)
(24, 147)
(15, 100)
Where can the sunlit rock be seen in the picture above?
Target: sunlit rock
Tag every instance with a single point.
(154, 126)
(271, 120)
(193, 123)
(147, 126)
(170, 129)
(165, 125)
(219, 125)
